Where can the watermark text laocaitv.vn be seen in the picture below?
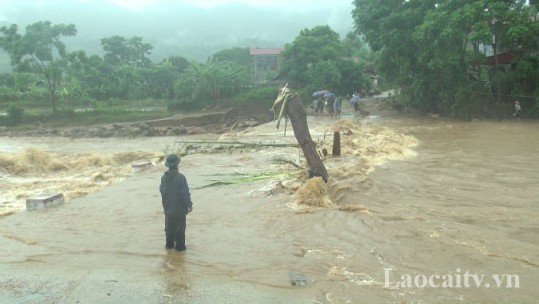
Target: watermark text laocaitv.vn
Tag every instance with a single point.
(458, 279)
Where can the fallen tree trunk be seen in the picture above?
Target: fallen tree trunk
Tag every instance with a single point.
(292, 104)
(239, 144)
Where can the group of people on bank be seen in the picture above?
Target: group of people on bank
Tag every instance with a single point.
(328, 100)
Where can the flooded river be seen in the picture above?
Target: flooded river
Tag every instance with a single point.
(416, 211)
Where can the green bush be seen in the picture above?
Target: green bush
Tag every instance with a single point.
(8, 94)
(184, 106)
(64, 113)
(268, 93)
(15, 114)
(531, 106)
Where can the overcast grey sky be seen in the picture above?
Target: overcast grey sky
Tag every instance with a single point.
(292, 4)
(134, 5)
(194, 29)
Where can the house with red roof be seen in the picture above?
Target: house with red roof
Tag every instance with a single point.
(266, 63)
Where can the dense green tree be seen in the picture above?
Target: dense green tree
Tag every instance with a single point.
(353, 66)
(311, 46)
(444, 52)
(434, 50)
(211, 81)
(324, 74)
(317, 60)
(354, 76)
(122, 51)
(162, 78)
(7, 91)
(178, 62)
(15, 86)
(40, 50)
(85, 78)
(355, 46)
(388, 26)
(236, 55)
(126, 70)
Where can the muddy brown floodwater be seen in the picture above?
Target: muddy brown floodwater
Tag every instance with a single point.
(416, 211)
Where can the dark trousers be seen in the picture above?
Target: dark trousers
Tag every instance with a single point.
(175, 231)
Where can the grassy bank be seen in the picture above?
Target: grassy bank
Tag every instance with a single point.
(25, 115)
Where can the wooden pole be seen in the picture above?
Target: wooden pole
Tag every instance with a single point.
(336, 143)
(285, 124)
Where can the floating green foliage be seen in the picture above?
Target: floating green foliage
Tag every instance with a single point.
(244, 178)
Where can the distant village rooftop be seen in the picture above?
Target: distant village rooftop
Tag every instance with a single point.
(268, 51)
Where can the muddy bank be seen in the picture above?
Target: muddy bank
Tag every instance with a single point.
(217, 122)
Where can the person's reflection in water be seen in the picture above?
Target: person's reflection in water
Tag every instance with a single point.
(175, 277)
(174, 262)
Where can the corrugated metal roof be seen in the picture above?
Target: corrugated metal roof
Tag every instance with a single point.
(271, 51)
(503, 58)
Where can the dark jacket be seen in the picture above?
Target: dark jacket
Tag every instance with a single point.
(175, 194)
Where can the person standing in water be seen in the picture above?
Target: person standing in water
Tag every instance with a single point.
(318, 106)
(355, 102)
(177, 203)
(330, 99)
(337, 107)
(518, 109)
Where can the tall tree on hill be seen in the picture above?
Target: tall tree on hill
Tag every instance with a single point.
(126, 62)
(387, 27)
(310, 47)
(85, 77)
(324, 74)
(122, 51)
(211, 81)
(40, 49)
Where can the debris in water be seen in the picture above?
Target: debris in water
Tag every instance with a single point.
(140, 165)
(361, 279)
(352, 207)
(244, 178)
(7, 212)
(314, 193)
(44, 201)
(302, 252)
(297, 279)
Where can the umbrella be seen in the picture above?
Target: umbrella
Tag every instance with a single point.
(329, 95)
(320, 93)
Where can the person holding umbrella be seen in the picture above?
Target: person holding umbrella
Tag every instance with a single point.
(318, 102)
(330, 100)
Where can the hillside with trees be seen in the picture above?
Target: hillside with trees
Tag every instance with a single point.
(46, 74)
(178, 28)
